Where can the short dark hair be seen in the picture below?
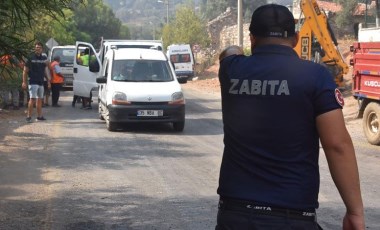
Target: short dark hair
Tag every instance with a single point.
(57, 58)
(272, 20)
(38, 43)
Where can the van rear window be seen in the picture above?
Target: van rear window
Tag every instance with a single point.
(67, 56)
(180, 58)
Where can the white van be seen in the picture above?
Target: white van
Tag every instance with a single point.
(67, 56)
(182, 59)
(85, 75)
(139, 85)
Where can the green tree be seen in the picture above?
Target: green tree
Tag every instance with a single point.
(125, 33)
(62, 28)
(186, 28)
(97, 20)
(86, 22)
(18, 17)
(19, 23)
(345, 17)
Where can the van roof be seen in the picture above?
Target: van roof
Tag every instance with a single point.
(133, 42)
(178, 45)
(138, 53)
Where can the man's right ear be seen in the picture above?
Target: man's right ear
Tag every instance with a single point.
(252, 39)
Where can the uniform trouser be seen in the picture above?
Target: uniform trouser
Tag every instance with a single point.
(231, 217)
(55, 92)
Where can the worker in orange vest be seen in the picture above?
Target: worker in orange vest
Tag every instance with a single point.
(56, 81)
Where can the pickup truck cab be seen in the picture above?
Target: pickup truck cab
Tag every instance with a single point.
(85, 73)
(139, 85)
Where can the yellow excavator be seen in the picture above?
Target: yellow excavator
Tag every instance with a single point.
(316, 39)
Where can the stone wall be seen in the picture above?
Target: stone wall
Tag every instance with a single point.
(229, 36)
(219, 24)
(224, 32)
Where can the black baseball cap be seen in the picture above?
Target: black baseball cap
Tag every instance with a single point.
(272, 20)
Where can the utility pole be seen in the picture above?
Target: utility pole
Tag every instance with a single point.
(166, 2)
(240, 22)
(167, 12)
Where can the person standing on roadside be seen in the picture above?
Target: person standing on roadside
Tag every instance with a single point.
(35, 70)
(276, 109)
(85, 58)
(56, 81)
(10, 79)
(46, 93)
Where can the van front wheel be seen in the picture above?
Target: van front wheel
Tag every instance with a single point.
(179, 126)
(100, 112)
(111, 126)
(182, 80)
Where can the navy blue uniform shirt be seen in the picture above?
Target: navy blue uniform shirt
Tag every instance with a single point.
(270, 102)
(36, 65)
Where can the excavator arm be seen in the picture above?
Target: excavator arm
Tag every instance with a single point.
(317, 41)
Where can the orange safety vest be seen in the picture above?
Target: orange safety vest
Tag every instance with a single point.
(55, 78)
(4, 60)
(8, 60)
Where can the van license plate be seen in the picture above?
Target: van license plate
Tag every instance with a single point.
(150, 113)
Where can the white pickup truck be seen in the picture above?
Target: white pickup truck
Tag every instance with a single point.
(85, 73)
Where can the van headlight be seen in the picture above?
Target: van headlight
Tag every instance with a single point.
(177, 98)
(120, 98)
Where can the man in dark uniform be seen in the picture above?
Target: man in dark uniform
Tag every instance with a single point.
(35, 69)
(276, 108)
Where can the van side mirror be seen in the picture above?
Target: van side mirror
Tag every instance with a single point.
(101, 80)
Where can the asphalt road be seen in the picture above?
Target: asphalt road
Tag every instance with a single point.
(71, 173)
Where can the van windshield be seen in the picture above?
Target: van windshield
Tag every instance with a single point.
(141, 71)
(67, 56)
(180, 58)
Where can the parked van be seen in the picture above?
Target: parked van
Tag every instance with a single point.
(85, 75)
(67, 56)
(182, 59)
(139, 85)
